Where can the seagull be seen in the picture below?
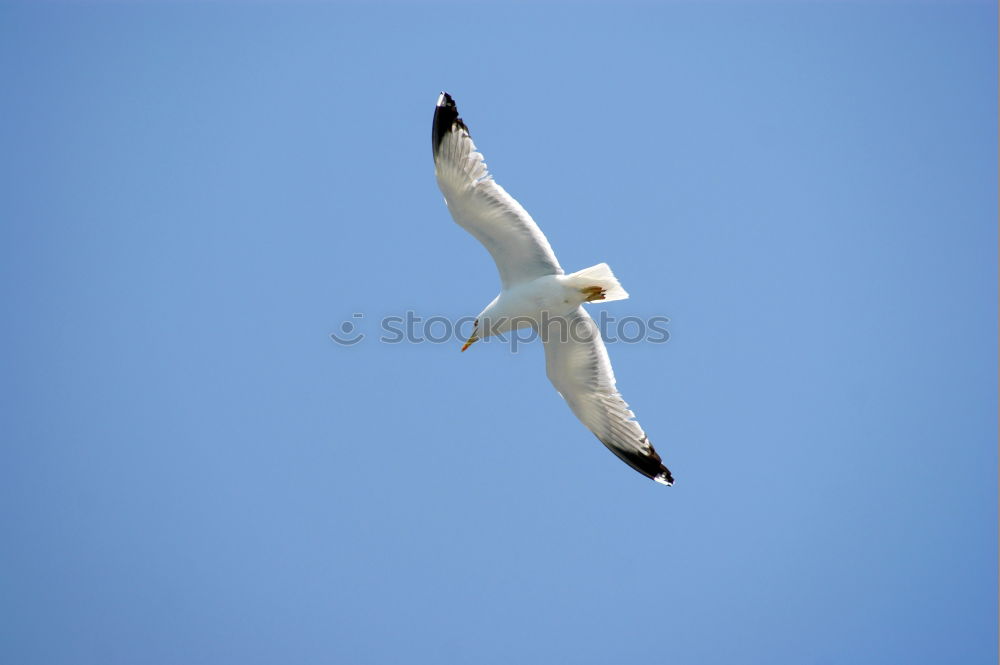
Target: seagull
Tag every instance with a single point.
(535, 291)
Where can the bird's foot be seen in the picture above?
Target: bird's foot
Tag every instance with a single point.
(592, 293)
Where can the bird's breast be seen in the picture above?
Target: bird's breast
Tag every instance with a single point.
(548, 295)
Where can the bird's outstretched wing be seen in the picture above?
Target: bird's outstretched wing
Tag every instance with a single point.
(578, 366)
(482, 207)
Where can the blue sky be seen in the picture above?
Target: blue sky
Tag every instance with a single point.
(195, 196)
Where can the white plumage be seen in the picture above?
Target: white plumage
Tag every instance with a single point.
(536, 292)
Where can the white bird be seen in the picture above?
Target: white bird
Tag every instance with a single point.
(536, 292)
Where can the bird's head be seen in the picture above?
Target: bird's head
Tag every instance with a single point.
(474, 337)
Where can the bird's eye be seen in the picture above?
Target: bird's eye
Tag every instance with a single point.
(475, 323)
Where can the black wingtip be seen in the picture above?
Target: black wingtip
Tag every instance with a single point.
(445, 119)
(648, 464)
(664, 477)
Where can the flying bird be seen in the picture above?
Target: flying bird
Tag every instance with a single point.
(535, 291)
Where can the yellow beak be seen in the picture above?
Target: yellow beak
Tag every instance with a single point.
(472, 340)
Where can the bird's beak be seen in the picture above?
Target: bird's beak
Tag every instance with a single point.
(473, 338)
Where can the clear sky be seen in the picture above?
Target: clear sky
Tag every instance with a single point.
(195, 196)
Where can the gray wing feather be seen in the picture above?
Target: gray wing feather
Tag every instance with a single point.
(577, 363)
(482, 207)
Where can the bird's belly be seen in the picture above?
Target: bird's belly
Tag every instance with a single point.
(541, 299)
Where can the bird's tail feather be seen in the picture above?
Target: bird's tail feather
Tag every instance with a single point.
(601, 276)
